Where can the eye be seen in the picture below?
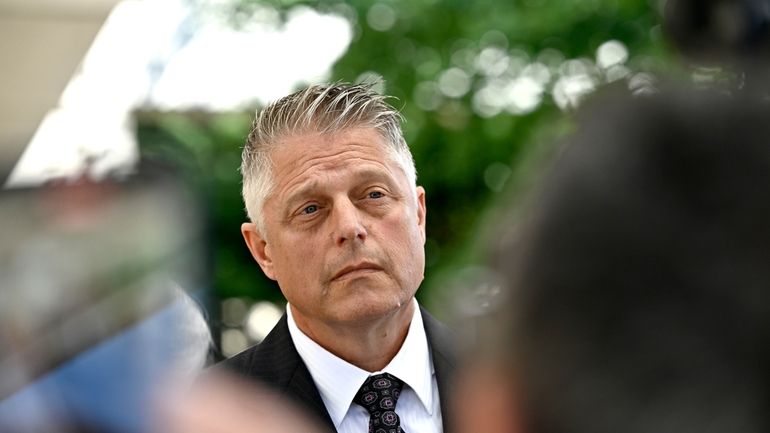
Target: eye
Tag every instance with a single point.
(310, 209)
(376, 194)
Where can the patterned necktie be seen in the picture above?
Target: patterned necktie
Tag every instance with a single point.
(378, 395)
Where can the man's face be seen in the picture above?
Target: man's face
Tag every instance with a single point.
(344, 229)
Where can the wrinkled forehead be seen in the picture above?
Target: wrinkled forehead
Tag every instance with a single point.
(310, 157)
(300, 142)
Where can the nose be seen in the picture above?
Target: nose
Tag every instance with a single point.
(348, 223)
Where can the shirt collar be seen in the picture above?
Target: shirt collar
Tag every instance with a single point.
(338, 380)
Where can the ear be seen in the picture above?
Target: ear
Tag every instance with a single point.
(259, 248)
(421, 211)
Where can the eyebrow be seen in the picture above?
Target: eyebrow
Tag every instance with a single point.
(359, 176)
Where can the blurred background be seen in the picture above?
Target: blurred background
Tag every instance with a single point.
(96, 91)
(485, 86)
(93, 87)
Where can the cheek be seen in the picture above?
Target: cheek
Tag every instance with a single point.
(410, 237)
(294, 259)
(405, 244)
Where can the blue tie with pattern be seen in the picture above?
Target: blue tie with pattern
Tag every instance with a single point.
(378, 395)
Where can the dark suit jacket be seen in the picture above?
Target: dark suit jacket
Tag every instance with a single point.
(276, 363)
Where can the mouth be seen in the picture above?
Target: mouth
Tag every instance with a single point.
(355, 270)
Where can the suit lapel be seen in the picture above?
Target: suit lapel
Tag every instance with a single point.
(442, 347)
(278, 363)
(302, 388)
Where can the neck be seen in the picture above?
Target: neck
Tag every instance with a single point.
(370, 345)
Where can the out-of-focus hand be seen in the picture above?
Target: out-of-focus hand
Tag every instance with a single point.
(222, 404)
(486, 400)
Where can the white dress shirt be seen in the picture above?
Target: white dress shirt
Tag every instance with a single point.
(338, 381)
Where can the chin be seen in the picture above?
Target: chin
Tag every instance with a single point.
(363, 309)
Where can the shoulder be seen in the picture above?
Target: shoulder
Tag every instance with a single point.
(441, 338)
(272, 360)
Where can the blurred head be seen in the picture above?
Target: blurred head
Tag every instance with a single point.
(719, 31)
(638, 285)
(323, 109)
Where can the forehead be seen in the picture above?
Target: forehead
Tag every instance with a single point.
(312, 155)
(320, 143)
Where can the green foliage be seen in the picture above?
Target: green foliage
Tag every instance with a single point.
(205, 149)
(465, 157)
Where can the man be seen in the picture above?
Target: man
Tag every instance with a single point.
(338, 221)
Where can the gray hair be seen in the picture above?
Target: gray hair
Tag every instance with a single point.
(324, 109)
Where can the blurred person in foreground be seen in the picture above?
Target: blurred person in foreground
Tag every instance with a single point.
(338, 221)
(222, 403)
(639, 282)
